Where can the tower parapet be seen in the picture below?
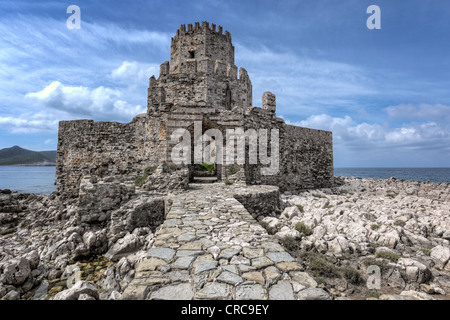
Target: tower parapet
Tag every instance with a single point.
(200, 42)
(201, 71)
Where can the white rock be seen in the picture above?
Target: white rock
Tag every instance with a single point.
(15, 271)
(127, 245)
(338, 245)
(415, 271)
(123, 266)
(440, 256)
(272, 222)
(214, 250)
(416, 294)
(291, 212)
(287, 232)
(89, 239)
(33, 258)
(79, 288)
(319, 232)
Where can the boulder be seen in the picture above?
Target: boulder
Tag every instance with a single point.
(313, 294)
(125, 246)
(414, 271)
(440, 256)
(78, 289)
(89, 239)
(272, 222)
(15, 271)
(287, 232)
(291, 212)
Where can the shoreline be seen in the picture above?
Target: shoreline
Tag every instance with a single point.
(335, 233)
(337, 182)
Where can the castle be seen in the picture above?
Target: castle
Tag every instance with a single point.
(200, 85)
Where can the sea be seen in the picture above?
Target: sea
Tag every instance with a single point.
(41, 179)
(28, 179)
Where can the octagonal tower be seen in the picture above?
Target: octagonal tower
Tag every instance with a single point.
(201, 72)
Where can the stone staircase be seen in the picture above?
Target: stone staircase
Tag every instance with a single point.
(210, 247)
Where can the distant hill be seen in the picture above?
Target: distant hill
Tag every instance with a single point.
(19, 156)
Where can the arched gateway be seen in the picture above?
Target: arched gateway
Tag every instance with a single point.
(199, 85)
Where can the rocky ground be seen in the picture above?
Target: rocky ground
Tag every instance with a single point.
(402, 227)
(101, 243)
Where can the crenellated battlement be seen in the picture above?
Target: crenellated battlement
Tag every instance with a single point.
(202, 70)
(201, 28)
(203, 43)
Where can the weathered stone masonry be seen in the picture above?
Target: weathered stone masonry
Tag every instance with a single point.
(200, 83)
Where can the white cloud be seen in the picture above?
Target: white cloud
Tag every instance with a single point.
(362, 135)
(100, 103)
(29, 124)
(134, 72)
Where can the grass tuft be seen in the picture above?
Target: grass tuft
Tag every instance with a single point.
(303, 229)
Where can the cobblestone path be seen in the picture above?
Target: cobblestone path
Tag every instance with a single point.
(210, 247)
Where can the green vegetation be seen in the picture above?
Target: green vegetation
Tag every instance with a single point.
(426, 251)
(375, 226)
(373, 294)
(268, 228)
(141, 179)
(388, 255)
(206, 166)
(374, 262)
(172, 166)
(232, 170)
(320, 281)
(374, 244)
(17, 155)
(346, 256)
(400, 223)
(351, 275)
(300, 207)
(228, 182)
(320, 265)
(303, 229)
(289, 243)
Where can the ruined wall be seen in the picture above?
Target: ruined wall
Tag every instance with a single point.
(305, 155)
(105, 149)
(306, 159)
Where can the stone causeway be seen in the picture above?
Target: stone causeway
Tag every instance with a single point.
(211, 247)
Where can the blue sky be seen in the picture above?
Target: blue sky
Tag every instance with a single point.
(385, 94)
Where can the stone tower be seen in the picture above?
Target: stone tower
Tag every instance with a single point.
(201, 72)
(200, 87)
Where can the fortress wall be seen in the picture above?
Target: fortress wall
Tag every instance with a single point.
(105, 149)
(306, 159)
(306, 155)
